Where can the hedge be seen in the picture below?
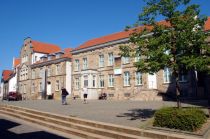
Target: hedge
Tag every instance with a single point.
(188, 119)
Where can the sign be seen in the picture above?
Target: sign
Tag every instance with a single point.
(117, 71)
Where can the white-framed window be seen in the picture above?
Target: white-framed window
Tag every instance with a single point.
(111, 80)
(137, 57)
(94, 81)
(57, 85)
(33, 87)
(101, 81)
(57, 69)
(126, 78)
(40, 86)
(85, 63)
(167, 75)
(126, 60)
(76, 64)
(33, 74)
(183, 77)
(101, 60)
(86, 81)
(138, 78)
(40, 72)
(77, 83)
(110, 59)
(48, 71)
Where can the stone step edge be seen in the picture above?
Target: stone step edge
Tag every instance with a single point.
(85, 128)
(108, 126)
(39, 127)
(70, 131)
(144, 132)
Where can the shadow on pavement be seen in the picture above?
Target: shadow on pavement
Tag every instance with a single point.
(138, 114)
(6, 134)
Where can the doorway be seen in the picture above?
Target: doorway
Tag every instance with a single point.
(152, 81)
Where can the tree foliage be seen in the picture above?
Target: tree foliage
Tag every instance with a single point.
(178, 42)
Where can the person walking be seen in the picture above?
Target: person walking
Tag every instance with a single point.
(85, 94)
(64, 93)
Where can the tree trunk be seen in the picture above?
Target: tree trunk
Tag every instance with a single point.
(178, 92)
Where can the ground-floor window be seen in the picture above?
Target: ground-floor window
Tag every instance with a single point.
(138, 78)
(33, 87)
(94, 81)
(40, 87)
(167, 75)
(77, 83)
(111, 80)
(101, 80)
(57, 85)
(86, 81)
(127, 78)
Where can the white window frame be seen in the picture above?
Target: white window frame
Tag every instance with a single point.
(101, 61)
(110, 59)
(85, 82)
(126, 78)
(101, 81)
(40, 86)
(94, 81)
(76, 64)
(138, 78)
(85, 65)
(137, 57)
(57, 69)
(57, 85)
(126, 60)
(111, 80)
(167, 76)
(77, 83)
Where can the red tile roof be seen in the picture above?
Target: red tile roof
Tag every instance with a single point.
(123, 35)
(67, 53)
(207, 24)
(41, 47)
(16, 62)
(6, 74)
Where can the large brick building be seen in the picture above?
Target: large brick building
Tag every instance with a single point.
(98, 66)
(53, 70)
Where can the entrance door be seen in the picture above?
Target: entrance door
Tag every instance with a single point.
(152, 81)
(49, 92)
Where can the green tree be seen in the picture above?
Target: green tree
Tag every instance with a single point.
(177, 43)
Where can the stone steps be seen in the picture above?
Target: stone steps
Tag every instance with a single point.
(65, 124)
(85, 128)
(147, 95)
(57, 127)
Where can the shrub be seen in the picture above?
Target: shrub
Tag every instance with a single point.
(188, 119)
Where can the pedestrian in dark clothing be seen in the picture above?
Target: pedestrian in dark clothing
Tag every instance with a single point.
(64, 93)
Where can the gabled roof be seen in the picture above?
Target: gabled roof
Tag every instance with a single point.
(16, 62)
(6, 74)
(124, 34)
(46, 48)
(65, 54)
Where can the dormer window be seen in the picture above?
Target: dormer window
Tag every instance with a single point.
(59, 54)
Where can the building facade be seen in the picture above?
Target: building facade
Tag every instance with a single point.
(50, 74)
(30, 53)
(97, 65)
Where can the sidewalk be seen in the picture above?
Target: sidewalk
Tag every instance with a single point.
(128, 113)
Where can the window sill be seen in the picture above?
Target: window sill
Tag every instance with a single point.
(183, 81)
(165, 83)
(139, 85)
(110, 65)
(126, 85)
(110, 86)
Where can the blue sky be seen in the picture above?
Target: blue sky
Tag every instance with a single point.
(67, 23)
